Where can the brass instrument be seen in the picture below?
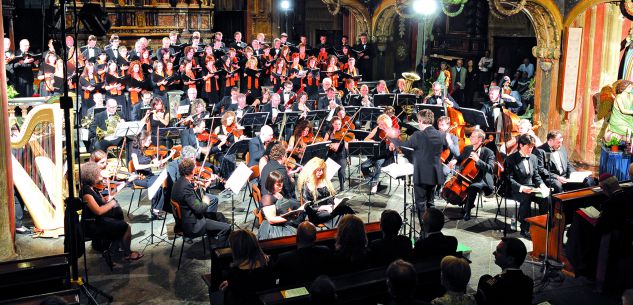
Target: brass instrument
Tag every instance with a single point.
(409, 79)
(111, 124)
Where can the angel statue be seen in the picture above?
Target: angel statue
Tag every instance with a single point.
(618, 111)
(626, 64)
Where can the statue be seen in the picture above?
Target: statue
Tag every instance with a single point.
(626, 65)
(620, 123)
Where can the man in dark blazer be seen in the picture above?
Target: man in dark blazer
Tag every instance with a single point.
(276, 160)
(511, 286)
(306, 262)
(365, 52)
(426, 144)
(555, 162)
(241, 108)
(329, 100)
(23, 70)
(91, 50)
(273, 108)
(113, 50)
(484, 160)
(435, 244)
(522, 172)
(194, 210)
(257, 145)
(100, 121)
(189, 137)
(391, 246)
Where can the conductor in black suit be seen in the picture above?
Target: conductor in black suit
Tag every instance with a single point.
(100, 121)
(193, 209)
(555, 160)
(510, 286)
(484, 160)
(522, 169)
(427, 144)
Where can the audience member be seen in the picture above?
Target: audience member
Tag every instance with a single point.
(351, 246)
(511, 286)
(250, 270)
(318, 256)
(391, 246)
(401, 282)
(322, 291)
(455, 277)
(436, 244)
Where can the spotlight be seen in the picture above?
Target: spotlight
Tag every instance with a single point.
(285, 5)
(94, 19)
(425, 7)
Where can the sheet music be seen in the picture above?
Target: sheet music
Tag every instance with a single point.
(578, 177)
(132, 128)
(332, 168)
(302, 73)
(397, 170)
(238, 178)
(591, 212)
(152, 189)
(184, 109)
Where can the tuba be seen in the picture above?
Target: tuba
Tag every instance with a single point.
(410, 78)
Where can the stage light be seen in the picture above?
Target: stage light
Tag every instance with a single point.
(425, 7)
(285, 5)
(94, 19)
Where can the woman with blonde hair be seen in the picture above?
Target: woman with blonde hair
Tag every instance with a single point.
(317, 193)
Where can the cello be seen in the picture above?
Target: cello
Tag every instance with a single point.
(455, 189)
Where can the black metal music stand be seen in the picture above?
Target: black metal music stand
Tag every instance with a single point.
(291, 118)
(384, 99)
(318, 115)
(369, 114)
(407, 209)
(255, 120)
(475, 117)
(405, 99)
(360, 149)
(240, 146)
(352, 100)
(360, 134)
(318, 150)
(351, 110)
(212, 122)
(437, 110)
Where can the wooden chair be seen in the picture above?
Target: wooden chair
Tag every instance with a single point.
(178, 232)
(130, 168)
(257, 211)
(247, 157)
(254, 175)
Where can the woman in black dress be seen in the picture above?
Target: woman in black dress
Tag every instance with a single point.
(472, 82)
(251, 270)
(101, 219)
(157, 117)
(273, 205)
(317, 193)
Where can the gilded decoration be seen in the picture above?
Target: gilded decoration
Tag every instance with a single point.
(356, 8)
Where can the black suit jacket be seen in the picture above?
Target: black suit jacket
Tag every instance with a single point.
(268, 107)
(99, 121)
(517, 174)
(387, 250)
(188, 138)
(85, 52)
(427, 146)
(191, 207)
(509, 287)
(23, 72)
(549, 168)
(324, 102)
(302, 265)
(485, 165)
(435, 245)
(110, 54)
(256, 150)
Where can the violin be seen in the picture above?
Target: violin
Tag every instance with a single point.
(205, 136)
(204, 174)
(343, 136)
(308, 139)
(234, 130)
(347, 123)
(162, 151)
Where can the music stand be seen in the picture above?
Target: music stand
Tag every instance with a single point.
(384, 99)
(360, 149)
(240, 146)
(236, 182)
(405, 99)
(254, 120)
(353, 99)
(317, 115)
(474, 117)
(351, 110)
(437, 110)
(212, 122)
(404, 171)
(369, 114)
(319, 150)
(360, 134)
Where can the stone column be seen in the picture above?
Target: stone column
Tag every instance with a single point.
(7, 213)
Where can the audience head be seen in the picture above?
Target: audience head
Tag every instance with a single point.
(322, 291)
(246, 251)
(627, 297)
(510, 253)
(401, 280)
(390, 223)
(425, 117)
(433, 220)
(455, 274)
(306, 234)
(351, 239)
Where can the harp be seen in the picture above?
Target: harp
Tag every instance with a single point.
(38, 167)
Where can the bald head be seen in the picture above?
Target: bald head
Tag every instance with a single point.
(266, 133)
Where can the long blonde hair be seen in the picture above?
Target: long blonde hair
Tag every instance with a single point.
(307, 176)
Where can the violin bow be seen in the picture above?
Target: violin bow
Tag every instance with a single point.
(347, 125)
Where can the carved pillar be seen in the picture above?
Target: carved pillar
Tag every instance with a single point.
(7, 213)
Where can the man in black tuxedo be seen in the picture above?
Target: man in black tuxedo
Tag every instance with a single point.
(484, 160)
(437, 97)
(323, 43)
(257, 145)
(365, 52)
(511, 286)
(100, 121)
(241, 108)
(9, 67)
(306, 262)
(194, 211)
(273, 108)
(276, 161)
(426, 144)
(555, 161)
(226, 102)
(91, 50)
(391, 246)
(23, 70)
(330, 101)
(287, 93)
(192, 95)
(435, 244)
(113, 50)
(522, 172)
